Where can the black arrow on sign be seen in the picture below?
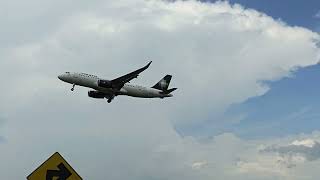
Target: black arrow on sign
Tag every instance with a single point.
(63, 173)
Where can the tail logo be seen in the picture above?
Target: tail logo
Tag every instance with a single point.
(163, 84)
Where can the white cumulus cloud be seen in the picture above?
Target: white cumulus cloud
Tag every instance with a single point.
(218, 53)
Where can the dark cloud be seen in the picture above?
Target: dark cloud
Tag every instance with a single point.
(310, 152)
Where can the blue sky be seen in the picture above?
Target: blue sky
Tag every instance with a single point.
(293, 12)
(292, 104)
(290, 107)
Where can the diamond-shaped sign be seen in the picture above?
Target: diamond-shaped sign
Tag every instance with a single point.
(54, 168)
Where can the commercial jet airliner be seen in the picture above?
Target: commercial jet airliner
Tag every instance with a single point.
(120, 86)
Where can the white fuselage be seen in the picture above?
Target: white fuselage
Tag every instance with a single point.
(91, 81)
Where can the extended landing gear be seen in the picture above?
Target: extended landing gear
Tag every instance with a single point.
(110, 99)
(72, 89)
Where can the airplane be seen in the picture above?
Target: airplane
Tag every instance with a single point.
(109, 89)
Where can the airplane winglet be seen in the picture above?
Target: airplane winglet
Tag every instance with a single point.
(148, 64)
(146, 67)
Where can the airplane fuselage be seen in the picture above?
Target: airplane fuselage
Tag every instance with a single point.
(91, 81)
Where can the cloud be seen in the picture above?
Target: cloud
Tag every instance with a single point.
(2, 139)
(282, 161)
(199, 165)
(219, 55)
(317, 15)
(2, 121)
(217, 42)
(308, 149)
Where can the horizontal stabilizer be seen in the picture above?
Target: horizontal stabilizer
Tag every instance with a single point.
(168, 91)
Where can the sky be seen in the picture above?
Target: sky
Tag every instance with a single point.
(292, 12)
(246, 107)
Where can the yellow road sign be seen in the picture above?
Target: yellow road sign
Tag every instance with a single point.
(54, 168)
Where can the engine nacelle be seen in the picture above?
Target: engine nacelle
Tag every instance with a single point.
(96, 94)
(104, 83)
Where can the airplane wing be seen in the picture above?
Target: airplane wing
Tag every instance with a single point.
(119, 82)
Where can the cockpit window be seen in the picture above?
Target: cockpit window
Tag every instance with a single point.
(67, 72)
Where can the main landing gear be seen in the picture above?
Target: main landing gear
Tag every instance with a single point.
(72, 89)
(110, 99)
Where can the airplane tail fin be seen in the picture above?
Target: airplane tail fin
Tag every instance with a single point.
(163, 84)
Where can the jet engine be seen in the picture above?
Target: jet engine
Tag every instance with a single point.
(96, 94)
(104, 83)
